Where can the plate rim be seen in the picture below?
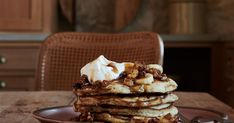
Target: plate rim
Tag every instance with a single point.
(36, 115)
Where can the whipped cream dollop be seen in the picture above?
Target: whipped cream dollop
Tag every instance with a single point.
(102, 69)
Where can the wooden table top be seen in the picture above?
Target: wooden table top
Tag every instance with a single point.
(17, 107)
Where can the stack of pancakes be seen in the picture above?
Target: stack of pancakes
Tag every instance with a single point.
(142, 93)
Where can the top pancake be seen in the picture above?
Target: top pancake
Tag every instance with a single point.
(137, 79)
(120, 88)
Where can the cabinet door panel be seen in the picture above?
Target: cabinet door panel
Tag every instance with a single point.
(18, 58)
(17, 83)
(20, 15)
(15, 9)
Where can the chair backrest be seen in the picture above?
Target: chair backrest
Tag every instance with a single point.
(62, 55)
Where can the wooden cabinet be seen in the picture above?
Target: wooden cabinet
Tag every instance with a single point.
(222, 85)
(18, 62)
(221, 65)
(18, 59)
(27, 15)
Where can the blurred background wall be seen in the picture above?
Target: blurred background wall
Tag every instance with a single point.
(98, 16)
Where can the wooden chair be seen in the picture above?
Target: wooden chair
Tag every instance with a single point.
(62, 55)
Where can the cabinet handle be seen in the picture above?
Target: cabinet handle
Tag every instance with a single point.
(2, 84)
(2, 60)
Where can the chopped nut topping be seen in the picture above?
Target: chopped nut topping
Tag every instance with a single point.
(138, 88)
(153, 71)
(140, 66)
(164, 77)
(86, 116)
(133, 74)
(141, 74)
(128, 82)
(83, 81)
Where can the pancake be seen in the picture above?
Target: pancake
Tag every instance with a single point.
(117, 87)
(155, 111)
(145, 101)
(106, 117)
(125, 92)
